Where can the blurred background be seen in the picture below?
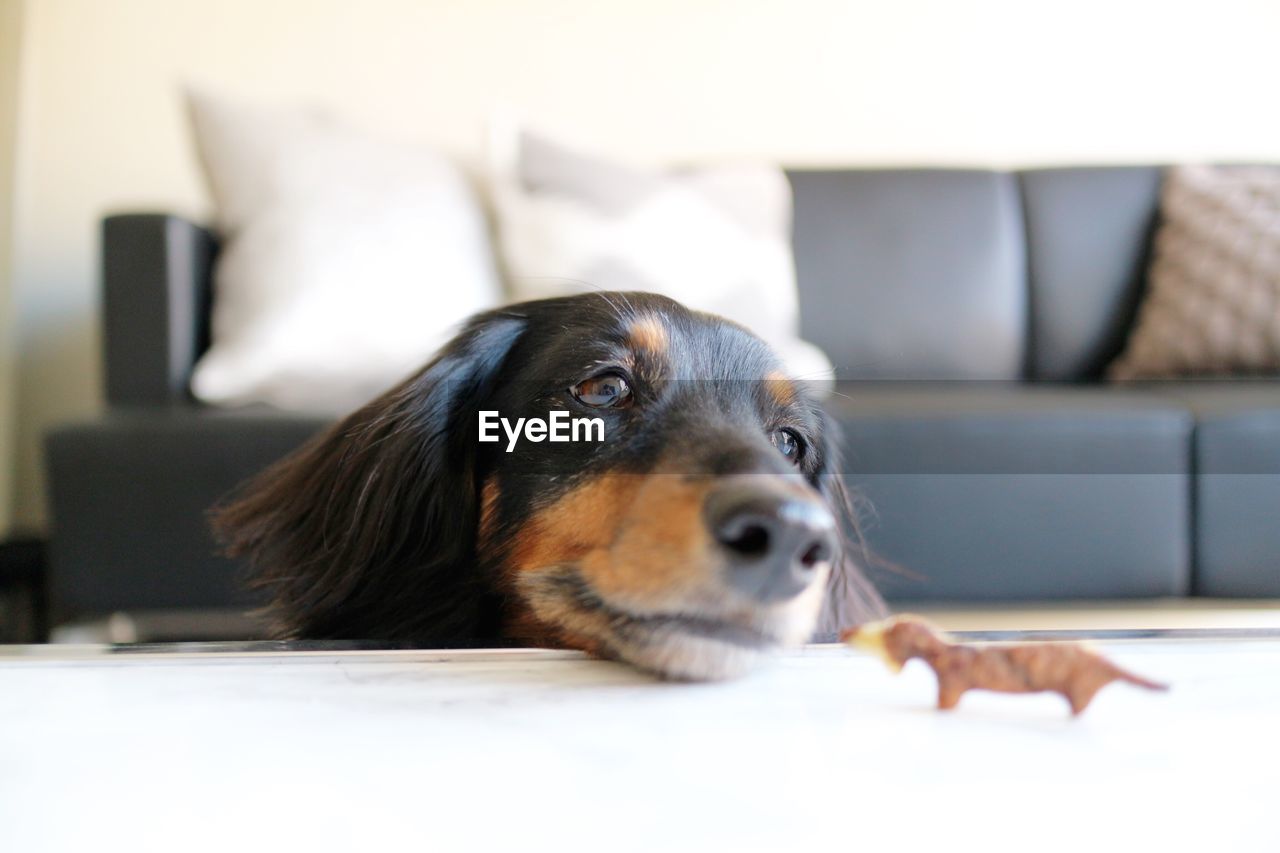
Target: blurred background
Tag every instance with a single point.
(93, 122)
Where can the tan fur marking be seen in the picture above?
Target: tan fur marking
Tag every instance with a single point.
(581, 521)
(661, 555)
(647, 334)
(782, 389)
(639, 540)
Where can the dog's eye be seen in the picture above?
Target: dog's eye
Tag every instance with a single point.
(606, 391)
(788, 443)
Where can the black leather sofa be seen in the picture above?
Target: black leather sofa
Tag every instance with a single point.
(970, 315)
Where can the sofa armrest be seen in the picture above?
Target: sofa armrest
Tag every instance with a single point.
(156, 296)
(119, 545)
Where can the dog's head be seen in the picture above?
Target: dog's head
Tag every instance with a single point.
(688, 523)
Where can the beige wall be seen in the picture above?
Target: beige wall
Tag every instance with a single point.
(10, 63)
(1004, 82)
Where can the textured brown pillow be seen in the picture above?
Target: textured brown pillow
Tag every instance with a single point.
(1213, 304)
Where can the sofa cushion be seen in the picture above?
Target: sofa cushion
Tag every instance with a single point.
(717, 238)
(1006, 492)
(1237, 494)
(346, 261)
(130, 493)
(912, 274)
(1088, 233)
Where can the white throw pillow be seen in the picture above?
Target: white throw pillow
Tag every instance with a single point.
(346, 261)
(716, 239)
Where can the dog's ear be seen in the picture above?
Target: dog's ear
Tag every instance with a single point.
(851, 598)
(367, 531)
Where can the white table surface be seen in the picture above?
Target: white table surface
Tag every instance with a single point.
(823, 749)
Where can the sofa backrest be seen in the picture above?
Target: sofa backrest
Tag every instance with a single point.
(1088, 237)
(903, 274)
(972, 274)
(912, 274)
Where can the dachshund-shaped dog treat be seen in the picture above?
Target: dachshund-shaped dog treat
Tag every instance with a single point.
(1066, 668)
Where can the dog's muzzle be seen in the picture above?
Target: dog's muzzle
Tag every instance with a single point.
(774, 541)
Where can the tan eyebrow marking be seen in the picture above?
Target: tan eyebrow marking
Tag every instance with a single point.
(647, 334)
(782, 389)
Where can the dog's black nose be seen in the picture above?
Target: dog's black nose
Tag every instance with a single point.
(774, 539)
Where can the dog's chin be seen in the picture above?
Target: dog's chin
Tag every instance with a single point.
(681, 656)
(677, 646)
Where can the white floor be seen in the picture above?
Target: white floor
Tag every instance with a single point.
(822, 750)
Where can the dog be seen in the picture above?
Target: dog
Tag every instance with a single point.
(703, 531)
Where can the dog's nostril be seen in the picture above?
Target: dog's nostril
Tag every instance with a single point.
(816, 553)
(772, 541)
(750, 540)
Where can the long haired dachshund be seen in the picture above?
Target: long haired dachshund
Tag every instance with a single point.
(701, 532)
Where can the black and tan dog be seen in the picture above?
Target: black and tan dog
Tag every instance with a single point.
(699, 533)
